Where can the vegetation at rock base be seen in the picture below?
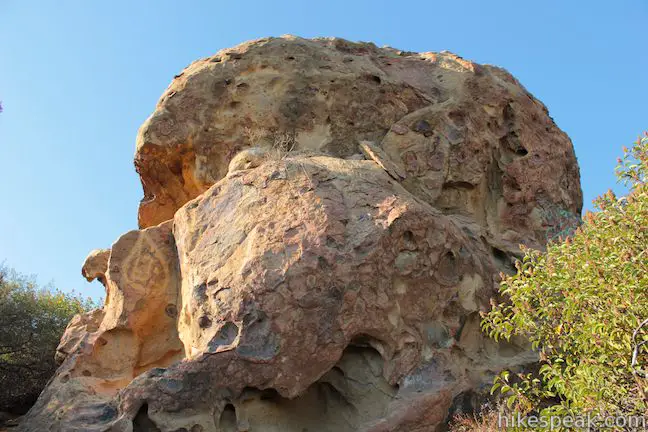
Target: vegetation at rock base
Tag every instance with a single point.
(32, 320)
(581, 304)
(484, 421)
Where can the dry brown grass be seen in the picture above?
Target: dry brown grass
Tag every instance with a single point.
(486, 421)
(278, 143)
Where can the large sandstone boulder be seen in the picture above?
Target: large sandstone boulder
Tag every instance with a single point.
(470, 137)
(330, 278)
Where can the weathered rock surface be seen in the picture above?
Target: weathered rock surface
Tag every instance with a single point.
(470, 137)
(96, 266)
(299, 286)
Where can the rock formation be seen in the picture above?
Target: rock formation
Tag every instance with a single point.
(330, 278)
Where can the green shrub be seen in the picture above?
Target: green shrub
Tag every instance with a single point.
(579, 304)
(32, 321)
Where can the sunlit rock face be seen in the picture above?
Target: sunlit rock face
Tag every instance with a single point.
(322, 223)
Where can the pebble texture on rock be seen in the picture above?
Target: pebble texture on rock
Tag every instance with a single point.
(330, 277)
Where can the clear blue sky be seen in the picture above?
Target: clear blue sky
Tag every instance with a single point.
(77, 78)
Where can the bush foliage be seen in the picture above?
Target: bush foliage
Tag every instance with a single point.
(32, 321)
(579, 304)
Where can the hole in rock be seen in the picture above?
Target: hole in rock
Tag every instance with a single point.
(459, 185)
(349, 397)
(408, 236)
(450, 256)
(503, 261)
(408, 240)
(226, 336)
(171, 310)
(204, 321)
(227, 421)
(423, 127)
(521, 151)
(200, 292)
(512, 143)
(143, 423)
(270, 395)
(367, 341)
(499, 254)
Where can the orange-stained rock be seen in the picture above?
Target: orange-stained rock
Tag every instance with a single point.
(296, 286)
(141, 305)
(103, 350)
(95, 265)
